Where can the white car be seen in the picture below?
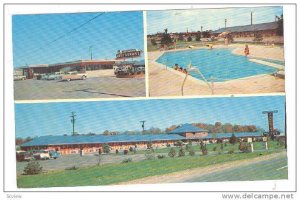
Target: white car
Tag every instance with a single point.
(41, 155)
(73, 76)
(19, 78)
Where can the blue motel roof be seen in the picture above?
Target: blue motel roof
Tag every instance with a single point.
(95, 139)
(187, 128)
(238, 135)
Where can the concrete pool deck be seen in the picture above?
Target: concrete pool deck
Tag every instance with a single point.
(167, 82)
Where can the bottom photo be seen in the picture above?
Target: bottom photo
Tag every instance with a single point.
(150, 141)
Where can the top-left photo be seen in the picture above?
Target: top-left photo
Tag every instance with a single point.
(78, 55)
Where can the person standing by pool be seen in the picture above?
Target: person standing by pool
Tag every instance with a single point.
(246, 51)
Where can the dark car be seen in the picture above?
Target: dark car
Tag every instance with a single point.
(24, 156)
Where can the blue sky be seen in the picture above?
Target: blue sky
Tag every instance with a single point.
(210, 19)
(107, 33)
(54, 118)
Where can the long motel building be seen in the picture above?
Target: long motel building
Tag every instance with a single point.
(91, 144)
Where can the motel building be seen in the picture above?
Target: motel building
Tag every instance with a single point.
(87, 66)
(268, 32)
(91, 144)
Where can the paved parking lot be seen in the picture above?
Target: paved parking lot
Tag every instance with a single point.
(66, 161)
(93, 87)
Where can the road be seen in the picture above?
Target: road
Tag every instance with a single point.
(272, 169)
(93, 87)
(268, 167)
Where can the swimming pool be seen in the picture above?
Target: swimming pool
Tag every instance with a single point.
(220, 64)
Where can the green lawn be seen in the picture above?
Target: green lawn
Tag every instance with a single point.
(210, 147)
(115, 173)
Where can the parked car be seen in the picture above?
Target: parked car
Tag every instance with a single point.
(73, 76)
(54, 154)
(23, 156)
(41, 155)
(19, 77)
(55, 76)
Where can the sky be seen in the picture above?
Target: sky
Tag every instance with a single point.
(34, 36)
(41, 119)
(210, 19)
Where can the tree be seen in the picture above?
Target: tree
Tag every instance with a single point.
(189, 39)
(153, 42)
(149, 145)
(181, 152)
(233, 139)
(180, 38)
(106, 148)
(166, 38)
(280, 25)
(172, 152)
(198, 36)
(106, 132)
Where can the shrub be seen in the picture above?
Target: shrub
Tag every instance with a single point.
(149, 145)
(231, 151)
(203, 148)
(189, 39)
(178, 143)
(188, 147)
(117, 151)
(125, 152)
(172, 153)
(131, 149)
(33, 167)
(233, 139)
(161, 156)
(106, 148)
(181, 152)
(215, 148)
(244, 147)
(127, 160)
(153, 42)
(191, 152)
(168, 145)
(150, 155)
(72, 168)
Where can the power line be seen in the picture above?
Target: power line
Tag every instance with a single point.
(65, 34)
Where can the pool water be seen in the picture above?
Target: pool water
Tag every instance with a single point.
(219, 64)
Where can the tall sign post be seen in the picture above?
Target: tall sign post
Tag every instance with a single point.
(270, 121)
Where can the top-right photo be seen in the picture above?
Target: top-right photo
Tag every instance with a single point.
(220, 51)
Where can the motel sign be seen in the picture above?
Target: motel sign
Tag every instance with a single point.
(131, 53)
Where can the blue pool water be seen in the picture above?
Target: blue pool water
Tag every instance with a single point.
(220, 64)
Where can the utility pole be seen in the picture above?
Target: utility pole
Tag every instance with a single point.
(251, 19)
(73, 122)
(143, 125)
(225, 23)
(270, 121)
(91, 51)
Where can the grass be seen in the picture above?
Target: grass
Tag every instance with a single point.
(210, 147)
(115, 173)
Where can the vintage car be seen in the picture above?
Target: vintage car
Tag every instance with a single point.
(54, 154)
(41, 155)
(55, 76)
(19, 77)
(73, 76)
(23, 156)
